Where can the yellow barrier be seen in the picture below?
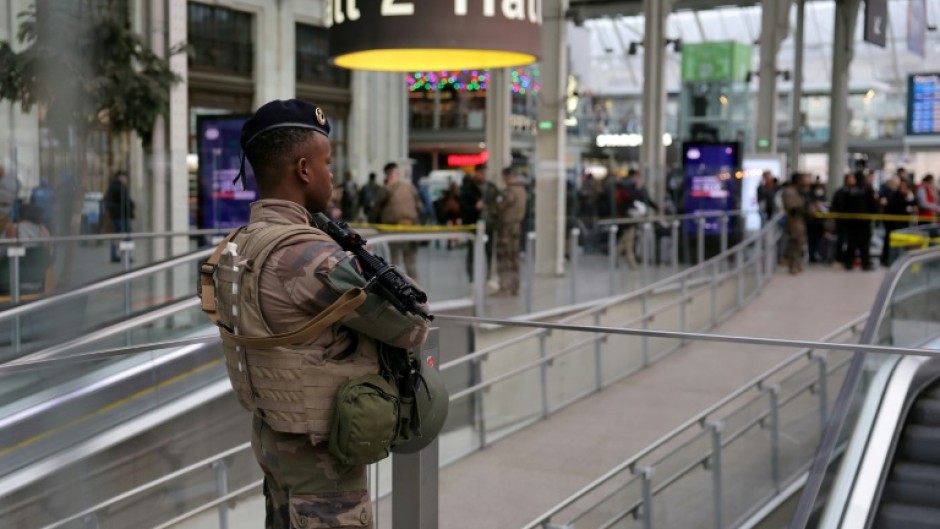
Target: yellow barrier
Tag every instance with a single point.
(412, 227)
(876, 216)
(909, 240)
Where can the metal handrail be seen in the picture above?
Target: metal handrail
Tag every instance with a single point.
(605, 303)
(110, 282)
(699, 419)
(669, 218)
(112, 237)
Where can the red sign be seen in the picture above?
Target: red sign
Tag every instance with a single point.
(462, 160)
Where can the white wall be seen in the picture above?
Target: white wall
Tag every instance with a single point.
(18, 130)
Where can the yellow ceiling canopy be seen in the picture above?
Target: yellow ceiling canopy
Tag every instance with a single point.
(400, 36)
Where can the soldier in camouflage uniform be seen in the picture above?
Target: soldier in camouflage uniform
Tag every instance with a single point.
(288, 147)
(797, 207)
(511, 210)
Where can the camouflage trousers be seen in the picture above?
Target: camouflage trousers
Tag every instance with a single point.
(507, 258)
(796, 241)
(304, 487)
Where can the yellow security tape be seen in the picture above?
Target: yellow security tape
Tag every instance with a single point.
(412, 227)
(873, 216)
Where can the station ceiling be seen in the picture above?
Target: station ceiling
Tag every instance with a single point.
(611, 25)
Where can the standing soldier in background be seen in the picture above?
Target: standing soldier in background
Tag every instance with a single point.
(512, 208)
(368, 195)
(291, 281)
(477, 198)
(796, 205)
(399, 203)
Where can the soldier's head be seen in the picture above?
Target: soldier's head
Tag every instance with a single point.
(507, 175)
(392, 173)
(287, 144)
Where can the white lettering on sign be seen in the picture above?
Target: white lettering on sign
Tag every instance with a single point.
(489, 8)
(514, 9)
(535, 11)
(510, 9)
(392, 9)
(338, 16)
(352, 12)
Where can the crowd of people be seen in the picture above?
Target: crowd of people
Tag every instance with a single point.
(397, 201)
(845, 238)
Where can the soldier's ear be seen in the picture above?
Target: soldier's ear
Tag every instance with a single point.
(302, 169)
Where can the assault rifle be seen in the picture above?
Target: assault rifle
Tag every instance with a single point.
(385, 278)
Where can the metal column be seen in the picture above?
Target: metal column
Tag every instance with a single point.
(796, 119)
(775, 22)
(843, 45)
(652, 151)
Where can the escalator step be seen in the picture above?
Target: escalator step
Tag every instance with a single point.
(899, 516)
(926, 411)
(913, 484)
(919, 443)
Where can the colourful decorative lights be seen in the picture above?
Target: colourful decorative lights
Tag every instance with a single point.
(521, 82)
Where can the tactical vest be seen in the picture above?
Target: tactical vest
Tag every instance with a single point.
(272, 374)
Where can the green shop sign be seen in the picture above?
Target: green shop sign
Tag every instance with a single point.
(715, 61)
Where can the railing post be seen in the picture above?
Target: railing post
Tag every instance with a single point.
(645, 325)
(759, 262)
(647, 252)
(716, 427)
(543, 352)
(126, 247)
(530, 267)
(701, 239)
(723, 226)
(612, 258)
(15, 253)
(739, 277)
(674, 235)
(683, 306)
(714, 293)
(221, 488)
(479, 269)
(573, 251)
(647, 474)
(598, 343)
(823, 388)
(774, 393)
(415, 501)
(479, 412)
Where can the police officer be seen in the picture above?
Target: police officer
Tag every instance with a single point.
(290, 274)
(512, 208)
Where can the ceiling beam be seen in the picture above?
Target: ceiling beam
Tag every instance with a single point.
(588, 9)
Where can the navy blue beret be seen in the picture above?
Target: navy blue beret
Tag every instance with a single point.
(279, 113)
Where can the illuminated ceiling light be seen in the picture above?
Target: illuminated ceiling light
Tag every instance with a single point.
(403, 36)
(724, 100)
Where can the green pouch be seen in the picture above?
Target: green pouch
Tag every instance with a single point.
(365, 420)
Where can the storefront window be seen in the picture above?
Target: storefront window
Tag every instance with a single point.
(220, 40)
(312, 56)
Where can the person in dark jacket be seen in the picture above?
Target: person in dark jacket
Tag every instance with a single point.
(839, 205)
(861, 199)
(477, 198)
(900, 201)
(120, 207)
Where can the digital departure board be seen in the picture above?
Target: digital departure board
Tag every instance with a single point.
(923, 104)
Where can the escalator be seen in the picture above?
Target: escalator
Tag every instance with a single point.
(878, 463)
(909, 498)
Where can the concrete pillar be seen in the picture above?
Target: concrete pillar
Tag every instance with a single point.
(796, 138)
(550, 143)
(652, 151)
(274, 51)
(378, 123)
(498, 131)
(19, 131)
(843, 46)
(775, 23)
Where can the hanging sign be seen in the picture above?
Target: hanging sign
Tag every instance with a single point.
(398, 35)
(876, 22)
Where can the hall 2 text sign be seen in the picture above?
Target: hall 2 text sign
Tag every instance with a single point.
(531, 10)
